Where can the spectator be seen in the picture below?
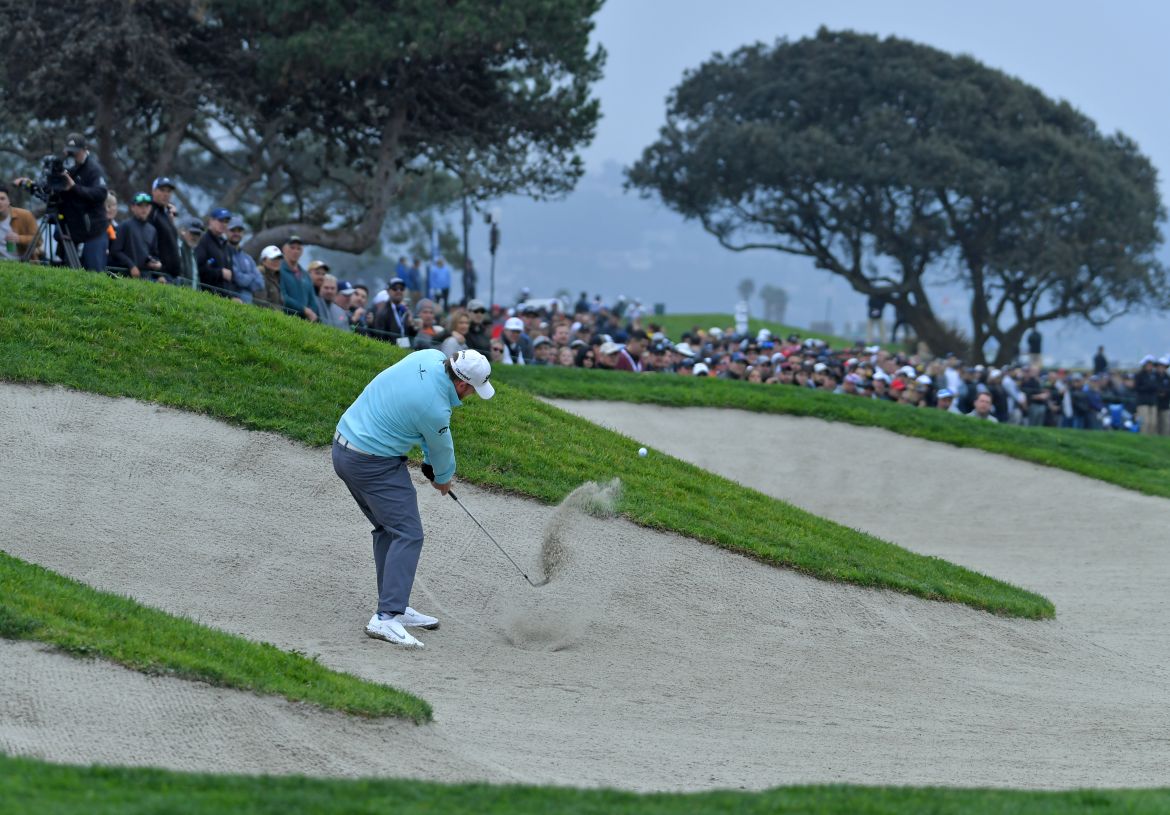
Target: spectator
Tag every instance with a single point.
(875, 330)
(701, 370)
(1037, 397)
(162, 218)
(392, 319)
(317, 271)
(248, 279)
(1100, 361)
(1163, 398)
(517, 348)
(83, 204)
(358, 313)
(190, 233)
(414, 281)
(214, 256)
(18, 228)
(111, 220)
(271, 259)
(1035, 344)
(429, 332)
(296, 289)
(135, 248)
(479, 332)
(566, 358)
(629, 358)
(945, 400)
(458, 325)
(470, 277)
(542, 351)
(331, 314)
(497, 350)
(983, 406)
(1145, 383)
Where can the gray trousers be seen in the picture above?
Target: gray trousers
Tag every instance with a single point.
(384, 492)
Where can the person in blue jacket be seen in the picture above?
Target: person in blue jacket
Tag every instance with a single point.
(408, 404)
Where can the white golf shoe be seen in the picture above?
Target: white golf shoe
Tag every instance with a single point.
(392, 631)
(412, 619)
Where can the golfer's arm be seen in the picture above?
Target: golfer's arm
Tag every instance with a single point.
(439, 449)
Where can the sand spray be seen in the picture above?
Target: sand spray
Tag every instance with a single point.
(539, 627)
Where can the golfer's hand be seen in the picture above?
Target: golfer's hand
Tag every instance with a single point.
(442, 488)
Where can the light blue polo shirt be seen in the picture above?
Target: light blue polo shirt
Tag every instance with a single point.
(409, 403)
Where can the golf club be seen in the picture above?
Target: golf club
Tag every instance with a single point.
(493, 540)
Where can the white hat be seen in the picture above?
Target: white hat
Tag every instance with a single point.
(270, 253)
(716, 332)
(820, 366)
(474, 369)
(763, 335)
(908, 371)
(513, 324)
(701, 369)
(608, 348)
(923, 380)
(684, 348)
(882, 375)
(1147, 358)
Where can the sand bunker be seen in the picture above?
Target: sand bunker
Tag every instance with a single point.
(648, 662)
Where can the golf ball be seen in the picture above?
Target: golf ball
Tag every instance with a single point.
(642, 452)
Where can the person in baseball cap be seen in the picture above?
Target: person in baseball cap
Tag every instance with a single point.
(407, 405)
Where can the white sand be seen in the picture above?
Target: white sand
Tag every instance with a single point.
(652, 662)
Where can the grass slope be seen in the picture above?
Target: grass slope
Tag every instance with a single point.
(37, 604)
(675, 325)
(34, 786)
(265, 371)
(1135, 462)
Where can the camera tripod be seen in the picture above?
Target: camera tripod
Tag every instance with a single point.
(52, 228)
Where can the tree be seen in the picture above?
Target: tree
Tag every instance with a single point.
(309, 119)
(746, 288)
(775, 303)
(897, 167)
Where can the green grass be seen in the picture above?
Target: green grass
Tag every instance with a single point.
(674, 325)
(1140, 463)
(35, 786)
(268, 372)
(37, 604)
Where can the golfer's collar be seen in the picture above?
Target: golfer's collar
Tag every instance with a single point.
(452, 394)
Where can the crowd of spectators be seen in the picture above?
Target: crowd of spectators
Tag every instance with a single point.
(415, 310)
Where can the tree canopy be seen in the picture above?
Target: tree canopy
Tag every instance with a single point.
(897, 166)
(308, 116)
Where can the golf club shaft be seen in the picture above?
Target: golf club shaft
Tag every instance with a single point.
(493, 540)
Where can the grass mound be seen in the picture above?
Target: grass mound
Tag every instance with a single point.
(266, 371)
(1140, 463)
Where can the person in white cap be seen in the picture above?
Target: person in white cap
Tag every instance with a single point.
(270, 259)
(408, 404)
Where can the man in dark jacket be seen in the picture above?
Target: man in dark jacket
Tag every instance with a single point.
(392, 320)
(214, 255)
(162, 218)
(479, 333)
(83, 203)
(1145, 383)
(136, 247)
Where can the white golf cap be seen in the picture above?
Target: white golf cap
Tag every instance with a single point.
(474, 369)
(270, 253)
(513, 324)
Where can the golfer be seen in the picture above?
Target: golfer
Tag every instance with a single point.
(409, 403)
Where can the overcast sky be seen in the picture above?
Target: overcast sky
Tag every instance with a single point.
(1108, 60)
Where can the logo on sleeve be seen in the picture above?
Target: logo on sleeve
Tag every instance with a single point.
(443, 430)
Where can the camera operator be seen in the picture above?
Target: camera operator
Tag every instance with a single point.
(80, 194)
